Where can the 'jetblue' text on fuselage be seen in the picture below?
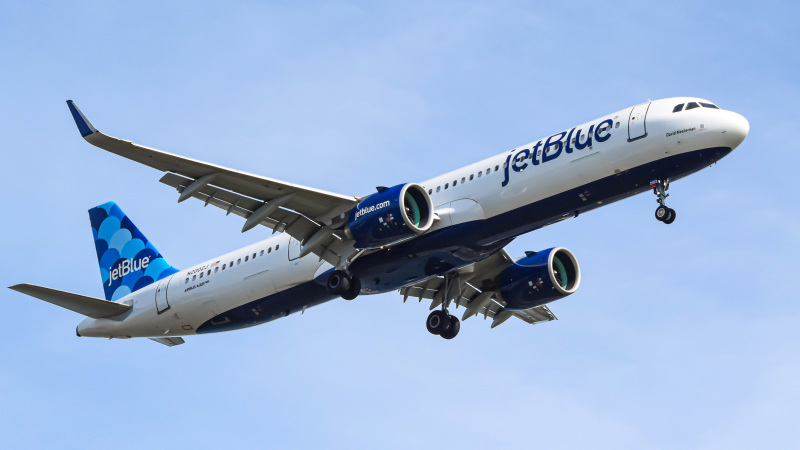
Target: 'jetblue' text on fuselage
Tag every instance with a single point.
(553, 146)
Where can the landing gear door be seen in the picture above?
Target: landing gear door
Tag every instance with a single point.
(162, 304)
(637, 128)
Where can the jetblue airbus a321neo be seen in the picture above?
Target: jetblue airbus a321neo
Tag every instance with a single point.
(440, 239)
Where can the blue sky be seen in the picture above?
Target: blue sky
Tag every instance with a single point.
(681, 336)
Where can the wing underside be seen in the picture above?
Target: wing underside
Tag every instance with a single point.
(467, 288)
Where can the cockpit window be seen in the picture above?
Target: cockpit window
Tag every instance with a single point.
(692, 105)
(709, 105)
(677, 108)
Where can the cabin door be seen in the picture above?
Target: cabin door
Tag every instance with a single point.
(637, 128)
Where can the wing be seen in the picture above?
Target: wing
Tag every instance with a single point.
(471, 287)
(305, 213)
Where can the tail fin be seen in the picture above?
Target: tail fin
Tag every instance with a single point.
(128, 261)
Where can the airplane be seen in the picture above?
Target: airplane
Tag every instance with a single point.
(441, 239)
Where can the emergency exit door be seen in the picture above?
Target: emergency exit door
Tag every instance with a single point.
(295, 247)
(637, 128)
(162, 304)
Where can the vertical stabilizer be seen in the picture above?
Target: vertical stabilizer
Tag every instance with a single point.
(128, 261)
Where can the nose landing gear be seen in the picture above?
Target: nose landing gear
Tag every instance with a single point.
(663, 212)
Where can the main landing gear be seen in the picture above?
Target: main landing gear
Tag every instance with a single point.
(444, 324)
(663, 212)
(342, 284)
(441, 322)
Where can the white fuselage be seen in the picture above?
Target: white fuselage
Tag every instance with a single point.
(494, 186)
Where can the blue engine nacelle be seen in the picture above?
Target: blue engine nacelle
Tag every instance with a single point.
(539, 278)
(390, 216)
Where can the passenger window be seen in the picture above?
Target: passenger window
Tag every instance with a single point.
(238, 261)
(463, 179)
(488, 170)
(446, 185)
(209, 272)
(677, 108)
(479, 173)
(246, 258)
(430, 191)
(201, 274)
(438, 188)
(262, 253)
(231, 264)
(194, 277)
(216, 269)
(269, 250)
(496, 168)
(692, 105)
(471, 176)
(187, 281)
(615, 126)
(254, 256)
(709, 105)
(223, 266)
(277, 247)
(455, 182)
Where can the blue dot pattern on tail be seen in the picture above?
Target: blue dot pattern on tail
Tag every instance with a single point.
(128, 261)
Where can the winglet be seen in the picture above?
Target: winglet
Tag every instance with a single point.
(84, 126)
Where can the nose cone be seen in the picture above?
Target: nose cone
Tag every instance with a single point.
(735, 129)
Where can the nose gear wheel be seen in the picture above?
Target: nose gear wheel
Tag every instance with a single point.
(663, 212)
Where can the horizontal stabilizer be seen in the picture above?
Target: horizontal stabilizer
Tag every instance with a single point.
(169, 341)
(88, 306)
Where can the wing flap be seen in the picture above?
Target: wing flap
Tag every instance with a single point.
(331, 248)
(88, 306)
(432, 288)
(536, 315)
(169, 341)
